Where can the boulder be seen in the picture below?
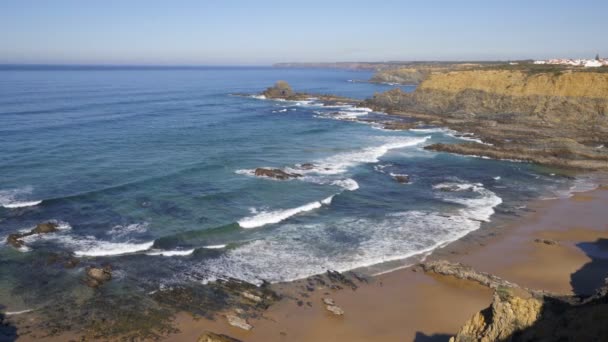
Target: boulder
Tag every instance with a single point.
(402, 179)
(252, 297)
(238, 322)
(97, 276)
(275, 173)
(15, 240)
(213, 337)
(336, 310)
(45, 228)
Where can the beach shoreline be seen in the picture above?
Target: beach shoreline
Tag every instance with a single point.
(408, 304)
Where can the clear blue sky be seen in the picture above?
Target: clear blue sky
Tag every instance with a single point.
(264, 31)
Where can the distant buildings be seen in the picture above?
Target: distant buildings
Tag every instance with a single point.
(587, 63)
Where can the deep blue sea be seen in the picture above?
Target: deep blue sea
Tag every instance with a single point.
(150, 170)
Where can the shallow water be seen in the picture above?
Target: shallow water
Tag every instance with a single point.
(151, 171)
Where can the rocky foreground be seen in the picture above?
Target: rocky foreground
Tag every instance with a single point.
(521, 314)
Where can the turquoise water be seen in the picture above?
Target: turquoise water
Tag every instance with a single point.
(150, 170)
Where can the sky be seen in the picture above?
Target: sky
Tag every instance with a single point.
(262, 32)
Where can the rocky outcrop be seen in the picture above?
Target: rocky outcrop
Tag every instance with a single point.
(330, 305)
(213, 337)
(508, 314)
(97, 276)
(281, 90)
(465, 272)
(402, 179)
(239, 322)
(275, 173)
(520, 314)
(552, 118)
(16, 239)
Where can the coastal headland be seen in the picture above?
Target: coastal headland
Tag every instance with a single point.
(466, 290)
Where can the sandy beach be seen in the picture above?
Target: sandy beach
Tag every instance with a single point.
(409, 305)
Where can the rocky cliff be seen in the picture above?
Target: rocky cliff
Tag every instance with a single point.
(558, 118)
(521, 314)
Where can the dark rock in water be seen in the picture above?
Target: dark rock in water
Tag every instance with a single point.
(399, 126)
(337, 277)
(403, 179)
(44, 228)
(307, 166)
(275, 173)
(213, 337)
(97, 276)
(16, 241)
(281, 90)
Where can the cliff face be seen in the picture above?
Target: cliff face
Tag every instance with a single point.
(570, 95)
(557, 118)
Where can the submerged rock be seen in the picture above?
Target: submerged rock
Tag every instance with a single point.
(402, 179)
(275, 173)
(213, 337)
(307, 166)
(97, 276)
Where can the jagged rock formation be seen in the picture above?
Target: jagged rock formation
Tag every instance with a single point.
(283, 91)
(520, 314)
(550, 118)
(507, 314)
(275, 173)
(16, 239)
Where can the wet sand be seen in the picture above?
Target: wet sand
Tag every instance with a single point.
(408, 305)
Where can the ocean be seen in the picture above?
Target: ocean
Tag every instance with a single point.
(151, 170)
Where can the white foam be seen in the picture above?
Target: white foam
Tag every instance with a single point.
(215, 246)
(21, 204)
(258, 97)
(340, 163)
(13, 313)
(276, 216)
(172, 253)
(10, 198)
(348, 184)
(93, 248)
(496, 178)
(120, 231)
(299, 251)
(479, 206)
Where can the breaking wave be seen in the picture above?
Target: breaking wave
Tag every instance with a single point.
(270, 217)
(11, 198)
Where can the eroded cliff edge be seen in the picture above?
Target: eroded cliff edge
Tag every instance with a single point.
(557, 117)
